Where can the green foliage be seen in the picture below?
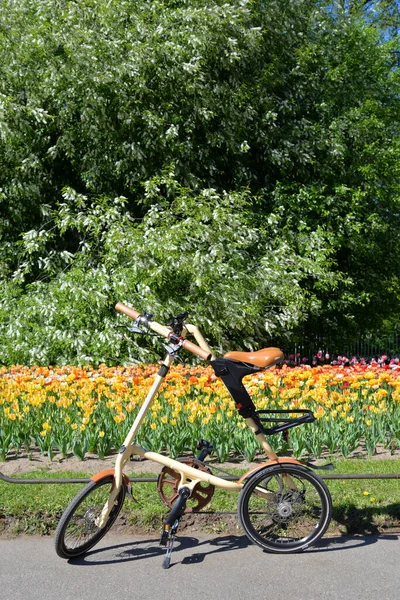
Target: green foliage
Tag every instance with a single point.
(174, 109)
(202, 253)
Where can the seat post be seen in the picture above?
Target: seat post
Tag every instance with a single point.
(262, 440)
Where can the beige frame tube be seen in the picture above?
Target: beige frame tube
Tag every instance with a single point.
(189, 476)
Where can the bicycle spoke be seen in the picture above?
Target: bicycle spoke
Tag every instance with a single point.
(77, 531)
(284, 510)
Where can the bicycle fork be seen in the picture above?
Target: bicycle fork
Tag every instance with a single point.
(171, 524)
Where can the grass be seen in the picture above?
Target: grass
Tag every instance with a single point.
(366, 506)
(359, 506)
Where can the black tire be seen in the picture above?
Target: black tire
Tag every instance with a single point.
(281, 519)
(77, 532)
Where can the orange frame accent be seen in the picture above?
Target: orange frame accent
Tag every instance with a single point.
(107, 472)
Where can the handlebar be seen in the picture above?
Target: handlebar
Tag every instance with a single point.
(130, 312)
(163, 331)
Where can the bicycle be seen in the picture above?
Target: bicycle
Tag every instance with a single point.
(283, 505)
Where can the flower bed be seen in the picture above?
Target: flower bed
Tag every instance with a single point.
(80, 410)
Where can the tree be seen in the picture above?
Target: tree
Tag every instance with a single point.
(202, 253)
(295, 103)
(355, 193)
(382, 14)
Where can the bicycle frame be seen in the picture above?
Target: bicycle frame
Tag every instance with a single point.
(189, 477)
(294, 505)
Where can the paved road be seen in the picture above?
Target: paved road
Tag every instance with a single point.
(222, 568)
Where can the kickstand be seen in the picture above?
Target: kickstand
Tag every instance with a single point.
(172, 523)
(170, 543)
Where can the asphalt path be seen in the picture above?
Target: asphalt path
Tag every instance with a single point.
(202, 567)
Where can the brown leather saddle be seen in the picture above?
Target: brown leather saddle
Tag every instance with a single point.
(265, 358)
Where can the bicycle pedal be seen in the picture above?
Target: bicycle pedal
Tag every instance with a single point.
(205, 448)
(164, 537)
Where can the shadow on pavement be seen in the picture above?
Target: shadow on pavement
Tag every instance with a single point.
(148, 548)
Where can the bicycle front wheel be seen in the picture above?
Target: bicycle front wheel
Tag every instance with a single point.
(284, 508)
(77, 531)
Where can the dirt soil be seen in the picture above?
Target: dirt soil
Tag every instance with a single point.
(18, 464)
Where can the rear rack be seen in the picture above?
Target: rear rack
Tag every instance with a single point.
(307, 416)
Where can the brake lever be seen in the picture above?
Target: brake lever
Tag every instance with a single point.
(133, 329)
(145, 318)
(173, 350)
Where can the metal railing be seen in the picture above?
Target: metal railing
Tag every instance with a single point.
(388, 344)
(20, 480)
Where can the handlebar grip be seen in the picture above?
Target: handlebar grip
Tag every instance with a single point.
(196, 350)
(130, 312)
(164, 331)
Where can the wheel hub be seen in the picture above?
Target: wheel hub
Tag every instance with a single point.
(285, 510)
(89, 519)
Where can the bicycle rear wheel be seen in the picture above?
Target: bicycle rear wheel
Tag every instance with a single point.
(284, 508)
(77, 531)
